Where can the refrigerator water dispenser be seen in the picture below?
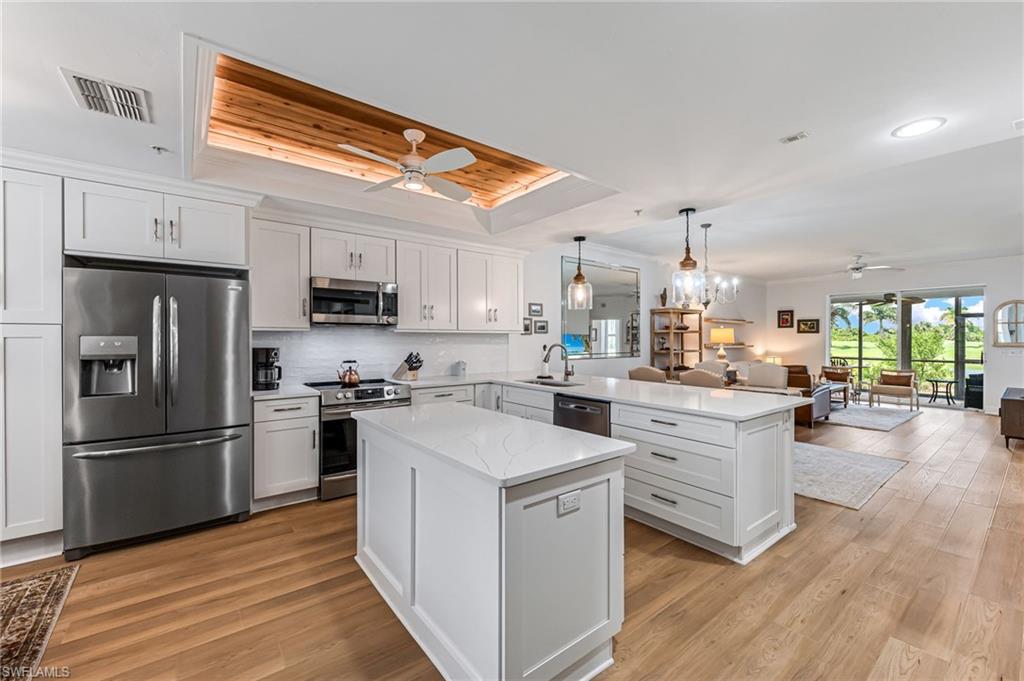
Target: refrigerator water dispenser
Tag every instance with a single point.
(108, 365)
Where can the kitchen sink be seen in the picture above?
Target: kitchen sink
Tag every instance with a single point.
(548, 381)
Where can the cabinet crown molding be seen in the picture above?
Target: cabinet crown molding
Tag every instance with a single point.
(80, 170)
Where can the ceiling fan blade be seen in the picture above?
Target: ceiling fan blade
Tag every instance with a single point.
(447, 188)
(369, 154)
(452, 159)
(884, 267)
(385, 184)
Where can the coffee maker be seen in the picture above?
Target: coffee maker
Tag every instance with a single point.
(266, 372)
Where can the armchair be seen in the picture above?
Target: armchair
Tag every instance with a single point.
(839, 376)
(798, 376)
(895, 383)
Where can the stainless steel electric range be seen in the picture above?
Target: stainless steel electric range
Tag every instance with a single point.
(338, 429)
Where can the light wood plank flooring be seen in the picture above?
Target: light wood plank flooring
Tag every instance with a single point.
(925, 582)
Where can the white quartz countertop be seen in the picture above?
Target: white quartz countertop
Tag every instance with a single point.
(721, 403)
(285, 391)
(501, 449)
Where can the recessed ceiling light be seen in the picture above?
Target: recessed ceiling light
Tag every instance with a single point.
(920, 127)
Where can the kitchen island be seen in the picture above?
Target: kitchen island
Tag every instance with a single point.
(497, 541)
(712, 466)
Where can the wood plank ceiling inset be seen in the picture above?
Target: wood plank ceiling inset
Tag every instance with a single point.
(261, 112)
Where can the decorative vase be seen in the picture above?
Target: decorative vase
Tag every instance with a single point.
(664, 297)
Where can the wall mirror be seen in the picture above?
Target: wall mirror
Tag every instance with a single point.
(612, 327)
(1009, 324)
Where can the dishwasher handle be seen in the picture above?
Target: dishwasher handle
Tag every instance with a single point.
(579, 407)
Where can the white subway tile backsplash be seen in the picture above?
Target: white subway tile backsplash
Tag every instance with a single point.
(315, 355)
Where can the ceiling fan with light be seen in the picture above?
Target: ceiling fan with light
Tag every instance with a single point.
(858, 267)
(417, 171)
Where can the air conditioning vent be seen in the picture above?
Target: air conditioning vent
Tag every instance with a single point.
(789, 139)
(104, 96)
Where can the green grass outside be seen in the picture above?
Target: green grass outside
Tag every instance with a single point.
(849, 349)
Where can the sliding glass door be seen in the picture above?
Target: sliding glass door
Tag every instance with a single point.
(938, 334)
(863, 336)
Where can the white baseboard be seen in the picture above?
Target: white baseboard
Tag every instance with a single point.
(27, 549)
(286, 499)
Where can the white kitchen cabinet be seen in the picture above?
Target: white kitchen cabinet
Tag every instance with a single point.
(375, 259)
(204, 231)
(451, 393)
(286, 451)
(340, 255)
(279, 275)
(30, 429)
(30, 248)
(112, 220)
(333, 254)
(490, 289)
(487, 396)
(427, 278)
(108, 219)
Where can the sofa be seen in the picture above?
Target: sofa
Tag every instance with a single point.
(794, 380)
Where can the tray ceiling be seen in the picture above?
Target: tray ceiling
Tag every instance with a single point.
(261, 112)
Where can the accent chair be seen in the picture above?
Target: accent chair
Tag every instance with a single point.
(896, 383)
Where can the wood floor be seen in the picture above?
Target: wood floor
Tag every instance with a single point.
(925, 582)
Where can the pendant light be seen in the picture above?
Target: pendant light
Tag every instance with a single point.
(580, 294)
(717, 289)
(687, 281)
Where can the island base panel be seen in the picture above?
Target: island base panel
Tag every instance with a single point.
(737, 554)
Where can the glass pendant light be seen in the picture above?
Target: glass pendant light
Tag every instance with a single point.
(717, 289)
(580, 294)
(687, 281)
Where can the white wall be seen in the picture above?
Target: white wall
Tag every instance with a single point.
(1003, 279)
(315, 355)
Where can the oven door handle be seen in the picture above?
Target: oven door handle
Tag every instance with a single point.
(335, 414)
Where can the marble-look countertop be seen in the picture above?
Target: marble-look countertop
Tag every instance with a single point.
(285, 391)
(501, 449)
(720, 403)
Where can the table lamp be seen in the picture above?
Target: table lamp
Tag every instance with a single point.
(722, 336)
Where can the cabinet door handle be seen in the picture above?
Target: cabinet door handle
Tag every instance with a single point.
(172, 231)
(288, 408)
(156, 229)
(488, 315)
(423, 315)
(431, 311)
(314, 439)
(443, 394)
(360, 260)
(664, 423)
(664, 456)
(665, 499)
(351, 259)
(305, 306)
(495, 314)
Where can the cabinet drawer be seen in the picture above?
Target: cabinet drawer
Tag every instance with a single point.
(706, 513)
(710, 467)
(542, 415)
(699, 428)
(290, 408)
(530, 398)
(455, 393)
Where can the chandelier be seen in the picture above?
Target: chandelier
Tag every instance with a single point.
(687, 281)
(717, 289)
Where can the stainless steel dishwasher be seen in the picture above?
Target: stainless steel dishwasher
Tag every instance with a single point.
(590, 416)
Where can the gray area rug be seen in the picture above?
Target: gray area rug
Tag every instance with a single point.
(871, 418)
(839, 476)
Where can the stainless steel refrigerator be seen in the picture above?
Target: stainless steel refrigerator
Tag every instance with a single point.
(156, 404)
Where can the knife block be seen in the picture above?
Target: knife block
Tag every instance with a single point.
(404, 373)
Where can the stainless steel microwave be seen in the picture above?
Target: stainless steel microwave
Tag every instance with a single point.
(344, 301)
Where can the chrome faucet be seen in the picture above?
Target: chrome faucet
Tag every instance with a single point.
(568, 372)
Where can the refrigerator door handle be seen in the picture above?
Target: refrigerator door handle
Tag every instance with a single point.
(172, 360)
(158, 350)
(107, 453)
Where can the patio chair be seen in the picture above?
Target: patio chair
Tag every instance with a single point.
(897, 383)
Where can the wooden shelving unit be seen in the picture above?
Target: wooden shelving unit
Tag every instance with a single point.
(674, 349)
